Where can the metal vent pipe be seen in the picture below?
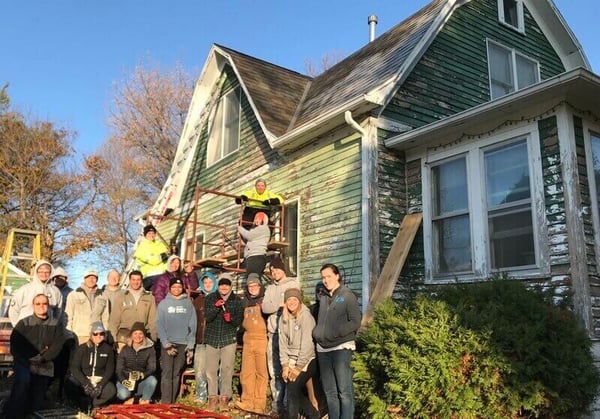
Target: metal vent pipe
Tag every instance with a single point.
(372, 23)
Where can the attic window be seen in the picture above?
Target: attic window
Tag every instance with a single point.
(510, 12)
(224, 136)
(509, 70)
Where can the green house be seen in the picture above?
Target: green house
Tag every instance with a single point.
(482, 115)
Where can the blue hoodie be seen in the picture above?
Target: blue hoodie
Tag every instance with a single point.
(176, 321)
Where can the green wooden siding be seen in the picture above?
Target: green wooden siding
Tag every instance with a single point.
(325, 178)
(452, 75)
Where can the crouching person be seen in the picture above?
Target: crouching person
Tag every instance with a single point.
(297, 353)
(135, 365)
(91, 370)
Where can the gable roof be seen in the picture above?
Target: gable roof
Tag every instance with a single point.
(292, 108)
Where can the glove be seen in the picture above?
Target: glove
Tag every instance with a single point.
(220, 302)
(293, 374)
(97, 391)
(274, 201)
(238, 200)
(244, 197)
(267, 202)
(88, 389)
(128, 384)
(227, 317)
(164, 257)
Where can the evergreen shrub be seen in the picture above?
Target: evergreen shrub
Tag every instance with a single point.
(494, 349)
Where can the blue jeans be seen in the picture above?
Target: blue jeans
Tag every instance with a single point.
(200, 372)
(145, 389)
(336, 377)
(27, 394)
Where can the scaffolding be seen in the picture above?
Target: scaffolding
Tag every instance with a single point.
(220, 244)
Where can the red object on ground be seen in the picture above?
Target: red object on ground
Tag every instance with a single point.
(158, 411)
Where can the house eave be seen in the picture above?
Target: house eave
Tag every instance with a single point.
(579, 87)
(324, 123)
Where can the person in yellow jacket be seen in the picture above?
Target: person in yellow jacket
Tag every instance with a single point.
(151, 256)
(258, 199)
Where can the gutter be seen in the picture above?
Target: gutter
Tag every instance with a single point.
(364, 207)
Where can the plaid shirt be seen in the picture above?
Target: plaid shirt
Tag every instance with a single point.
(218, 333)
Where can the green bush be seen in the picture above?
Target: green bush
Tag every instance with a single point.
(487, 350)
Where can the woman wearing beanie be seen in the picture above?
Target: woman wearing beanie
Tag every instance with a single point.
(135, 365)
(254, 376)
(91, 371)
(176, 327)
(297, 353)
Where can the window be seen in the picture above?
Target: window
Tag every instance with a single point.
(224, 136)
(508, 199)
(595, 140)
(452, 238)
(510, 12)
(290, 225)
(509, 71)
(481, 213)
(198, 253)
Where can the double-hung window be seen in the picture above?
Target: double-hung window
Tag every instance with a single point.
(509, 70)
(224, 135)
(481, 210)
(510, 13)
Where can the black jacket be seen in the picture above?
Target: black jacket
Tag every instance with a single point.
(90, 359)
(339, 318)
(33, 335)
(144, 360)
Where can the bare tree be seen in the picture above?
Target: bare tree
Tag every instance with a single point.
(38, 189)
(148, 114)
(328, 60)
(110, 221)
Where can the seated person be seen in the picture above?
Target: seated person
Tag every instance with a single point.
(135, 365)
(91, 370)
(258, 199)
(151, 256)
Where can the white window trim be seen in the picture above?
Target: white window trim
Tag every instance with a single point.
(520, 16)
(588, 129)
(220, 103)
(298, 229)
(477, 208)
(513, 54)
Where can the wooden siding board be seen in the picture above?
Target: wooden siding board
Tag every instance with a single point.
(457, 78)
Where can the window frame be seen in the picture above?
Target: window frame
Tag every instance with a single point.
(520, 16)
(199, 239)
(589, 130)
(292, 261)
(513, 64)
(478, 213)
(222, 105)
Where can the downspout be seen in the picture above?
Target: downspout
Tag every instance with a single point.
(364, 206)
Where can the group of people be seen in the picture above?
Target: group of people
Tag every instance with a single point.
(127, 343)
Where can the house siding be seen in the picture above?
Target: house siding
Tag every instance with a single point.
(448, 79)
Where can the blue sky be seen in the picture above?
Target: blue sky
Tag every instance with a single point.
(62, 57)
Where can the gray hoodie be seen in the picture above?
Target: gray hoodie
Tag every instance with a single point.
(21, 304)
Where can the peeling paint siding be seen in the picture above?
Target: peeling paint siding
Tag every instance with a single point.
(449, 79)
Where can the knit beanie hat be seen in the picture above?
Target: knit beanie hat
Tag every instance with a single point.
(137, 326)
(225, 281)
(97, 327)
(174, 281)
(292, 292)
(277, 263)
(149, 228)
(253, 278)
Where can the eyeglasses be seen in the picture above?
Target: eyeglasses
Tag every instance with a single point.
(98, 334)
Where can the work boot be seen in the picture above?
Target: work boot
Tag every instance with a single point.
(224, 403)
(260, 405)
(213, 403)
(244, 405)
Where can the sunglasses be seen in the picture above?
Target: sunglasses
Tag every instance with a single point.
(98, 334)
